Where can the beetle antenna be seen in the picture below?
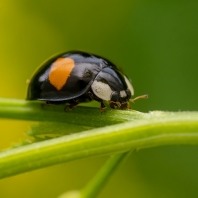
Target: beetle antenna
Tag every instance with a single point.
(143, 96)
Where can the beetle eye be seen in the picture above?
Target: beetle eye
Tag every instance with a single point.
(128, 92)
(114, 96)
(129, 85)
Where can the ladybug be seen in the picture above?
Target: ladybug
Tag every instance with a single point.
(74, 77)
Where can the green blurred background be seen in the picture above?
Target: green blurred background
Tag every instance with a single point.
(156, 44)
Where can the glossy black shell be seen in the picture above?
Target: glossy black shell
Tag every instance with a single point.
(87, 67)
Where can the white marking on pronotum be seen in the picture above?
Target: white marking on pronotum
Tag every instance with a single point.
(101, 90)
(129, 85)
(123, 94)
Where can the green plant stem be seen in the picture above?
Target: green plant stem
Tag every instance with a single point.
(95, 185)
(86, 116)
(143, 130)
(93, 188)
(160, 129)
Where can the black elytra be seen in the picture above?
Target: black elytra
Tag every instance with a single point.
(74, 77)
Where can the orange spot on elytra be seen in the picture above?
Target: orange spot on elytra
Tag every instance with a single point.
(60, 71)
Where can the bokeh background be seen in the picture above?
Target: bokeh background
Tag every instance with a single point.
(156, 44)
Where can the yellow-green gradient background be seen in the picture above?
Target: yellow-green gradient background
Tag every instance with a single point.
(156, 44)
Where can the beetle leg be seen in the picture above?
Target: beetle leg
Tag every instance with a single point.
(111, 104)
(71, 105)
(114, 104)
(102, 106)
(125, 105)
